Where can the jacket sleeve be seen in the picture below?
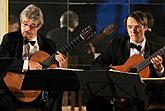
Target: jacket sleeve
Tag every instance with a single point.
(6, 51)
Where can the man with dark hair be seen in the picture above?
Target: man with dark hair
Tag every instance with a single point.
(119, 50)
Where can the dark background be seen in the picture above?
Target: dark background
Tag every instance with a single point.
(100, 13)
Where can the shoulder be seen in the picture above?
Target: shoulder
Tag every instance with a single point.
(45, 39)
(55, 32)
(117, 43)
(13, 36)
(119, 40)
(46, 43)
(153, 45)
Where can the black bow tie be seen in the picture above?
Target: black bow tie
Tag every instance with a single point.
(138, 47)
(31, 42)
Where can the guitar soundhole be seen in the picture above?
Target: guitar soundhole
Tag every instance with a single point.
(133, 70)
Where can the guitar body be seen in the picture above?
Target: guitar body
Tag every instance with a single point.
(131, 63)
(14, 81)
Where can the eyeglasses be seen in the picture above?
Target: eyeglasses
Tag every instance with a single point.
(33, 26)
(137, 27)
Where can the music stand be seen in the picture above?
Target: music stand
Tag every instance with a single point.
(57, 79)
(155, 91)
(154, 82)
(100, 83)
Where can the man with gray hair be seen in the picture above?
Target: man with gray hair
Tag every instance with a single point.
(30, 49)
(69, 21)
(68, 30)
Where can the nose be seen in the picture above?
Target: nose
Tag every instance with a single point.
(27, 28)
(134, 29)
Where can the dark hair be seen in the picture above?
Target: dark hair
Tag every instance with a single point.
(139, 16)
(150, 19)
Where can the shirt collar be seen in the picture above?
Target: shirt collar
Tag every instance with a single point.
(141, 44)
(35, 39)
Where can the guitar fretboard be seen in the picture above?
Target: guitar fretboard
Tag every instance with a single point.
(85, 34)
(51, 60)
(147, 61)
(71, 45)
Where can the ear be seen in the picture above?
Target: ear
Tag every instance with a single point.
(146, 28)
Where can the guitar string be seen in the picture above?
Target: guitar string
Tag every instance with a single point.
(147, 61)
(64, 50)
(50, 60)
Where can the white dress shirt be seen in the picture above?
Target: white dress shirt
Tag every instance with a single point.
(135, 51)
(32, 49)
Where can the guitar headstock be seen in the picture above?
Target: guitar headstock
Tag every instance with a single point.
(109, 29)
(88, 32)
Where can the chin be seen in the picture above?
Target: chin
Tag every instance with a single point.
(26, 37)
(134, 38)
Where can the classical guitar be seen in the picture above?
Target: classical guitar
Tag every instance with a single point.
(14, 81)
(106, 31)
(143, 64)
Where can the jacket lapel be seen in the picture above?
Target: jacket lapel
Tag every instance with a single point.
(147, 50)
(126, 49)
(40, 42)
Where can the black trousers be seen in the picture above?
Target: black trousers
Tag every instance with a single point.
(6, 102)
(9, 103)
(99, 104)
(54, 102)
(6, 99)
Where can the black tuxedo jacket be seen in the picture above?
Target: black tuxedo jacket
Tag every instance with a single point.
(12, 46)
(118, 51)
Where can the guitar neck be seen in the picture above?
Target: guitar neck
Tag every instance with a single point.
(147, 61)
(51, 60)
(106, 32)
(97, 38)
(71, 44)
(85, 34)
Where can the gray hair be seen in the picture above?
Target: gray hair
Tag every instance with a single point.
(34, 13)
(70, 19)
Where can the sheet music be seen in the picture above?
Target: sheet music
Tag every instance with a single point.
(161, 78)
(112, 70)
(69, 69)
